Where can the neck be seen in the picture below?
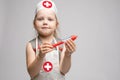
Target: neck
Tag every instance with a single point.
(46, 39)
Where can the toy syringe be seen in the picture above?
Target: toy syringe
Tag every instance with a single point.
(73, 37)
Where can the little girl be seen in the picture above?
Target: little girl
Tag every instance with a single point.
(40, 50)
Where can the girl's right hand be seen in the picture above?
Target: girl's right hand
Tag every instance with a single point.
(45, 48)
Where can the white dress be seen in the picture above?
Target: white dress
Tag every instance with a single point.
(54, 74)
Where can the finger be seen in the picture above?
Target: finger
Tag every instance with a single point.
(68, 48)
(69, 52)
(46, 51)
(70, 45)
(71, 42)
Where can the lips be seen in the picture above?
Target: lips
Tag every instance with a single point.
(45, 27)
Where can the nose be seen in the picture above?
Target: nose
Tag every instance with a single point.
(45, 22)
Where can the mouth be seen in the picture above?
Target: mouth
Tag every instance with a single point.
(44, 27)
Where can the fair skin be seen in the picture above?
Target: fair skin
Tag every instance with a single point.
(46, 24)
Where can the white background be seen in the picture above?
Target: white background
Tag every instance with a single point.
(96, 22)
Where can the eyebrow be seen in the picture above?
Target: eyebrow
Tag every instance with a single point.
(47, 16)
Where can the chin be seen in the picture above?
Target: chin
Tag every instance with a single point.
(45, 34)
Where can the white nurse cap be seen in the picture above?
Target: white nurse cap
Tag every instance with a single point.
(46, 4)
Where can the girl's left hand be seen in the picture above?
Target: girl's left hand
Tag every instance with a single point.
(70, 47)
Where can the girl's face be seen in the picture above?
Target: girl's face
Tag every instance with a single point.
(45, 22)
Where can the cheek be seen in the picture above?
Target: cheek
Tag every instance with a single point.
(37, 24)
(54, 26)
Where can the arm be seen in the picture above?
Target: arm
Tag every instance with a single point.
(33, 61)
(65, 62)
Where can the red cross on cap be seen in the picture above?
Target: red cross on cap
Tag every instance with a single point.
(47, 4)
(47, 66)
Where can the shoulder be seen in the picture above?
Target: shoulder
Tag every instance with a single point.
(32, 42)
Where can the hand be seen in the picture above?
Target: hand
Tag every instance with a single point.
(70, 47)
(45, 48)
